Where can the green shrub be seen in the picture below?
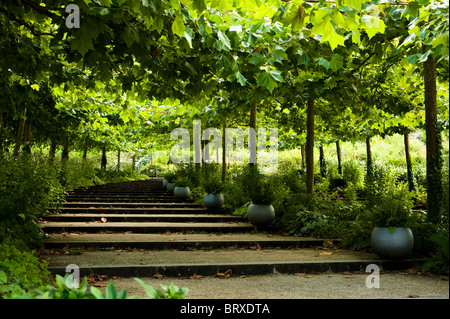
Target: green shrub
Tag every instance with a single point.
(20, 271)
(29, 185)
(212, 184)
(64, 291)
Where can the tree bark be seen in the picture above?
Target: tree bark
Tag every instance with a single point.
(118, 159)
(310, 147)
(409, 168)
(224, 150)
(85, 148)
(303, 153)
(52, 151)
(323, 169)
(339, 157)
(434, 164)
(252, 140)
(104, 160)
(369, 158)
(65, 152)
(27, 141)
(20, 134)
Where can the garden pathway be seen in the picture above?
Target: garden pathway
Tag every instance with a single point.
(137, 229)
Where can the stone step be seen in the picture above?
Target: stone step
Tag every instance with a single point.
(137, 218)
(126, 263)
(127, 199)
(146, 227)
(129, 205)
(128, 210)
(180, 241)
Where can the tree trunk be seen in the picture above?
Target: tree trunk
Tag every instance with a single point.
(118, 159)
(52, 151)
(224, 150)
(323, 168)
(65, 153)
(339, 157)
(27, 141)
(133, 159)
(303, 153)
(369, 159)
(104, 160)
(310, 147)
(85, 148)
(434, 164)
(409, 168)
(20, 134)
(252, 140)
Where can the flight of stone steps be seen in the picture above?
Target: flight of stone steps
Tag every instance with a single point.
(139, 229)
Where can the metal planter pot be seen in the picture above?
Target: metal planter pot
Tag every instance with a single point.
(260, 215)
(213, 201)
(392, 244)
(170, 187)
(182, 192)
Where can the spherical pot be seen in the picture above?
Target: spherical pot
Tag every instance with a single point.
(170, 187)
(260, 215)
(213, 201)
(182, 192)
(392, 243)
(165, 182)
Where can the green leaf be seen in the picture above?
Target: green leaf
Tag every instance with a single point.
(151, 292)
(178, 26)
(276, 74)
(257, 59)
(97, 293)
(266, 79)
(224, 40)
(337, 62)
(241, 79)
(335, 39)
(111, 292)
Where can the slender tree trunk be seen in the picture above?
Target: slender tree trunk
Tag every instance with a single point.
(339, 157)
(409, 168)
(323, 169)
(65, 153)
(27, 141)
(20, 134)
(369, 158)
(85, 148)
(118, 159)
(252, 140)
(310, 147)
(224, 150)
(303, 153)
(104, 160)
(434, 164)
(52, 151)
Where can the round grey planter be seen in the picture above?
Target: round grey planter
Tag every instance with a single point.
(260, 215)
(213, 201)
(182, 192)
(170, 187)
(396, 244)
(165, 182)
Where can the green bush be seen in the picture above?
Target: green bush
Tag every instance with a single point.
(64, 291)
(20, 271)
(29, 185)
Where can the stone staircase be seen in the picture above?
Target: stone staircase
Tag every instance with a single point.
(138, 229)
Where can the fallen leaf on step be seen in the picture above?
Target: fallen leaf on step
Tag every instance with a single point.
(224, 275)
(103, 219)
(300, 274)
(99, 285)
(413, 296)
(159, 276)
(195, 276)
(325, 254)
(143, 263)
(347, 273)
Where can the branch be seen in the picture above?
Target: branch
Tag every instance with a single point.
(25, 24)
